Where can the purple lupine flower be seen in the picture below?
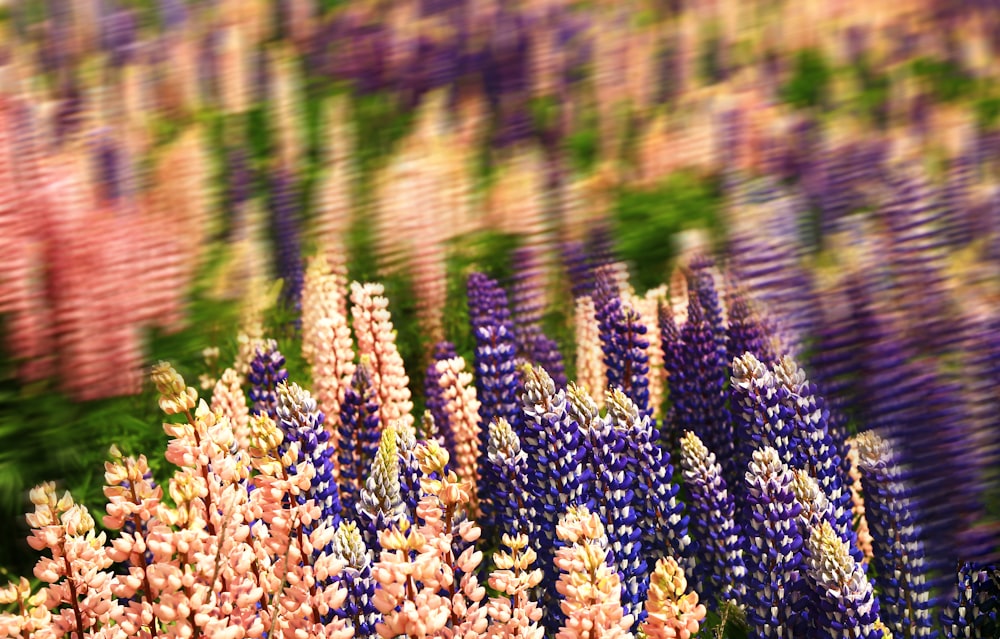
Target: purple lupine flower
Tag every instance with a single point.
(409, 472)
(356, 578)
(697, 393)
(496, 372)
(900, 568)
(846, 602)
(760, 415)
(975, 611)
(555, 450)
(285, 226)
(745, 332)
(300, 419)
(600, 246)
(673, 365)
(173, 14)
(239, 178)
(660, 513)
(435, 401)
(266, 373)
(813, 448)
(613, 491)
(578, 270)
(719, 569)
(108, 162)
(119, 35)
(623, 343)
(509, 465)
(527, 302)
(545, 353)
(772, 549)
(359, 431)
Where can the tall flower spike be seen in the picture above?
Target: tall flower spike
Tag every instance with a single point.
(381, 502)
(661, 514)
(772, 548)
(228, 399)
(624, 345)
(175, 396)
(285, 225)
(698, 393)
(496, 373)
(719, 567)
(359, 434)
(509, 465)
(897, 545)
(552, 441)
(591, 374)
(613, 492)
(433, 393)
(377, 341)
(847, 602)
(760, 416)
(266, 372)
(462, 408)
(744, 331)
(332, 356)
(301, 421)
(358, 609)
(590, 589)
(514, 615)
(671, 613)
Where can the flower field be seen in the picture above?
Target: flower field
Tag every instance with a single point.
(462, 318)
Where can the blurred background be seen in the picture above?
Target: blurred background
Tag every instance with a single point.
(164, 163)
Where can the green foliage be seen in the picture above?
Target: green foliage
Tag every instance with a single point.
(809, 85)
(646, 221)
(873, 93)
(946, 81)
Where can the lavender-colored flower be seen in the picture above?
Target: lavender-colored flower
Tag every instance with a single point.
(434, 394)
(358, 608)
(614, 492)
(975, 612)
(772, 551)
(301, 420)
(847, 606)
(285, 226)
(496, 373)
(409, 472)
(509, 465)
(623, 342)
(745, 332)
(719, 569)
(660, 513)
(266, 373)
(697, 390)
(555, 450)
(578, 269)
(359, 431)
(901, 572)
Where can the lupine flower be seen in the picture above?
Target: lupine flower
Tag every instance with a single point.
(697, 392)
(590, 369)
(514, 614)
(648, 309)
(376, 340)
(896, 540)
(612, 491)
(671, 613)
(624, 346)
(358, 609)
(333, 365)
(590, 589)
(381, 502)
(847, 602)
(266, 372)
(662, 520)
(976, 608)
(433, 398)
(300, 420)
(409, 472)
(462, 408)
(496, 374)
(288, 253)
(858, 503)
(745, 333)
(510, 467)
(719, 567)
(771, 553)
(578, 269)
(228, 399)
(359, 434)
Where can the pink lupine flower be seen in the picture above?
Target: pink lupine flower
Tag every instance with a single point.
(377, 340)
(229, 399)
(514, 614)
(590, 368)
(334, 206)
(671, 613)
(462, 406)
(590, 589)
(31, 617)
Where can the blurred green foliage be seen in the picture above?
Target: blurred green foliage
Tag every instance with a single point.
(645, 221)
(809, 85)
